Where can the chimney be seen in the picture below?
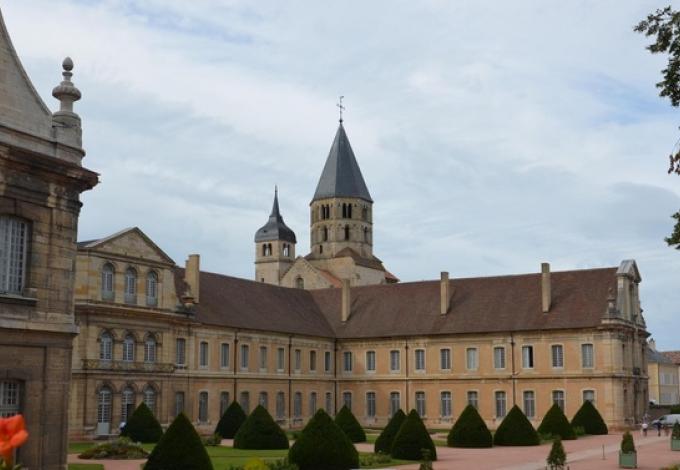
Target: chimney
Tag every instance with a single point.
(546, 293)
(444, 288)
(191, 275)
(345, 300)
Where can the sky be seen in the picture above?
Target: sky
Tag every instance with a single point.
(493, 136)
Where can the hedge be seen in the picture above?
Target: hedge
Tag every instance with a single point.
(180, 448)
(516, 430)
(469, 430)
(142, 426)
(323, 445)
(349, 424)
(412, 439)
(231, 420)
(383, 444)
(554, 423)
(260, 431)
(588, 418)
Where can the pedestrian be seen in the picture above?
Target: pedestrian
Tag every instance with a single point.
(658, 427)
(644, 428)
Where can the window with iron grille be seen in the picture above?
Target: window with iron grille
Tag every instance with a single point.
(9, 398)
(13, 247)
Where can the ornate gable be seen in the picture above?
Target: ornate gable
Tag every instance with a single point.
(128, 243)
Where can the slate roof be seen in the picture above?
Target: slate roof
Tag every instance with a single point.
(484, 304)
(341, 176)
(275, 228)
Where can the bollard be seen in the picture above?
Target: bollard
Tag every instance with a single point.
(603, 457)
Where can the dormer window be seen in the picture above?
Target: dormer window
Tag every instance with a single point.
(13, 245)
(130, 286)
(107, 281)
(152, 289)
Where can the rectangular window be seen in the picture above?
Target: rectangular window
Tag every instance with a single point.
(394, 361)
(9, 398)
(587, 358)
(557, 355)
(224, 355)
(420, 360)
(245, 351)
(395, 403)
(527, 357)
(370, 361)
(472, 359)
(420, 403)
(589, 395)
(558, 397)
(179, 403)
(329, 403)
(347, 361)
(280, 359)
(13, 243)
(347, 400)
(327, 361)
(224, 402)
(312, 403)
(529, 404)
(263, 358)
(244, 401)
(473, 398)
(499, 357)
(445, 406)
(280, 405)
(203, 354)
(180, 351)
(298, 360)
(203, 407)
(445, 359)
(312, 361)
(297, 405)
(370, 404)
(263, 400)
(500, 404)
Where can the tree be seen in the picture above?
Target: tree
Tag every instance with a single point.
(323, 445)
(627, 443)
(180, 448)
(557, 456)
(556, 424)
(383, 444)
(664, 26)
(231, 420)
(349, 424)
(260, 432)
(516, 430)
(412, 439)
(588, 418)
(142, 426)
(469, 430)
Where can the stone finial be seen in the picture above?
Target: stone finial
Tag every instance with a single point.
(66, 92)
(65, 123)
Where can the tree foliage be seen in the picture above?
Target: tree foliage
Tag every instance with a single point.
(557, 456)
(349, 424)
(231, 420)
(142, 426)
(383, 444)
(627, 443)
(588, 418)
(469, 430)
(412, 439)
(674, 239)
(180, 448)
(516, 430)
(260, 431)
(556, 424)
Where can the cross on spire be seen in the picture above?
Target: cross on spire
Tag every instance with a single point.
(341, 107)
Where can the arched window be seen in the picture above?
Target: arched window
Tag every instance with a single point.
(364, 213)
(349, 211)
(106, 346)
(286, 249)
(324, 233)
(104, 411)
(127, 402)
(299, 282)
(150, 349)
(346, 232)
(344, 211)
(129, 348)
(150, 398)
(13, 247)
(366, 234)
(130, 286)
(152, 288)
(267, 249)
(107, 281)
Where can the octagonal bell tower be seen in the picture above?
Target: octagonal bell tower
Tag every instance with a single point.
(274, 247)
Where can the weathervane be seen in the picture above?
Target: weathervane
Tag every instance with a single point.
(341, 107)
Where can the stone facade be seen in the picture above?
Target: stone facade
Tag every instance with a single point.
(664, 382)
(41, 179)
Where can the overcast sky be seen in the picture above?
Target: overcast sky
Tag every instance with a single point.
(492, 135)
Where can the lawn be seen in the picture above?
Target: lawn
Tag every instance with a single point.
(85, 466)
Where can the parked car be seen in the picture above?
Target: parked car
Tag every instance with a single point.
(667, 420)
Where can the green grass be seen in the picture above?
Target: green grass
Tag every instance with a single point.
(85, 466)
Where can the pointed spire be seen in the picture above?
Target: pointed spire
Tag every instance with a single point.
(275, 207)
(275, 228)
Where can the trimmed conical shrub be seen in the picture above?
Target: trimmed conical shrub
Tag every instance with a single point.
(231, 420)
(260, 432)
(180, 448)
(557, 457)
(412, 438)
(349, 424)
(469, 430)
(142, 426)
(556, 424)
(588, 418)
(323, 445)
(383, 444)
(516, 430)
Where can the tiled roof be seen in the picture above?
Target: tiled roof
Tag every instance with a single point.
(673, 356)
(657, 357)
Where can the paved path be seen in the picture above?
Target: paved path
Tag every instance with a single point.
(109, 464)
